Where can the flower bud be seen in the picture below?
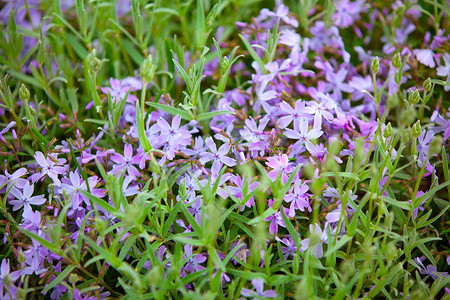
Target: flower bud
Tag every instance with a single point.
(416, 129)
(154, 276)
(224, 64)
(154, 166)
(7, 281)
(73, 278)
(396, 61)
(392, 101)
(427, 84)
(94, 63)
(100, 225)
(375, 65)
(24, 93)
(66, 195)
(387, 130)
(21, 294)
(414, 97)
(408, 116)
(406, 135)
(435, 145)
(148, 69)
(21, 257)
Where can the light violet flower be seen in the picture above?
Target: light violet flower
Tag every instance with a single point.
(193, 262)
(304, 136)
(295, 115)
(25, 199)
(14, 178)
(258, 284)
(217, 156)
(444, 71)
(126, 162)
(13, 276)
(50, 166)
(279, 164)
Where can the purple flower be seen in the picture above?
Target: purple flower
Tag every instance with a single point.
(14, 178)
(255, 135)
(445, 70)
(196, 210)
(290, 248)
(25, 199)
(120, 88)
(217, 156)
(275, 219)
(323, 236)
(348, 12)
(5, 272)
(429, 270)
(129, 189)
(5, 130)
(320, 110)
(50, 166)
(192, 262)
(170, 131)
(304, 136)
(295, 115)
(243, 184)
(125, 162)
(258, 284)
(75, 184)
(425, 56)
(279, 164)
(299, 198)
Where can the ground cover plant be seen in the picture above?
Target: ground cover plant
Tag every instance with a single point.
(224, 149)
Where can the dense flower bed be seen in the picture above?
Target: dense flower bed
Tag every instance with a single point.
(205, 150)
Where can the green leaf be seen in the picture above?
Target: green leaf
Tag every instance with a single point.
(59, 278)
(170, 219)
(291, 229)
(209, 115)
(42, 241)
(173, 110)
(191, 220)
(103, 204)
(253, 53)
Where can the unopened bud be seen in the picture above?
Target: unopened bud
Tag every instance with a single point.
(435, 145)
(148, 69)
(388, 130)
(24, 93)
(154, 276)
(416, 129)
(375, 65)
(100, 225)
(154, 166)
(21, 294)
(392, 101)
(7, 281)
(408, 116)
(21, 257)
(94, 63)
(396, 61)
(73, 278)
(51, 188)
(66, 195)
(414, 97)
(406, 135)
(427, 84)
(391, 252)
(224, 65)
